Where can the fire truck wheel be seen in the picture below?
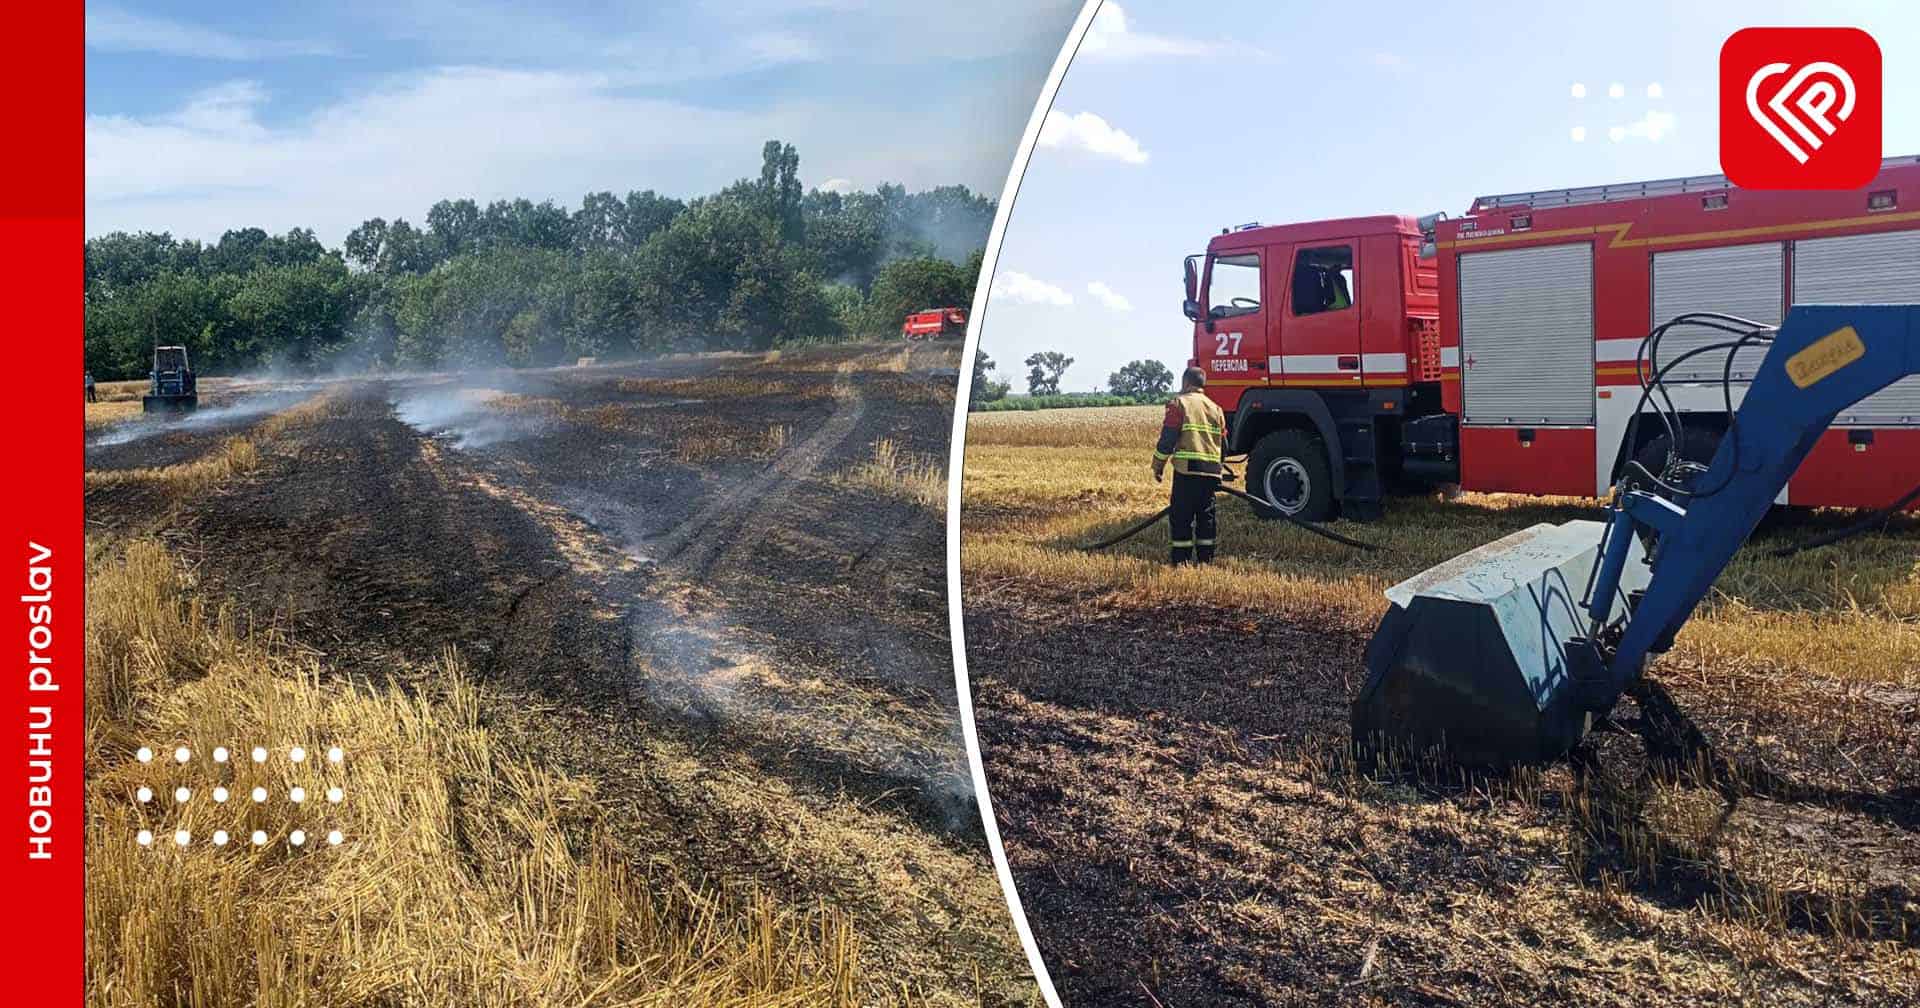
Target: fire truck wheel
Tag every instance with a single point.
(1289, 467)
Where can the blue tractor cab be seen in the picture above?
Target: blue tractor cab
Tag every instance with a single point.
(170, 385)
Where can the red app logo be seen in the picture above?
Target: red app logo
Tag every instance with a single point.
(1800, 108)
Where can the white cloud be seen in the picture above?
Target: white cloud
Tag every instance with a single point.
(577, 113)
(838, 185)
(112, 29)
(1654, 126)
(1020, 288)
(214, 163)
(1111, 36)
(1085, 131)
(1106, 295)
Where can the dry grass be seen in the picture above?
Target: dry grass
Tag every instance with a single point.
(1088, 427)
(120, 391)
(725, 385)
(108, 412)
(466, 876)
(235, 456)
(901, 474)
(1037, 484)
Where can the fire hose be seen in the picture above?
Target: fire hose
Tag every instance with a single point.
(1319, 530)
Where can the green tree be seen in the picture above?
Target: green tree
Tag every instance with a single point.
(904, 286)
(780, 187)
(1044, 371)
(291, 315)
(1141, 379)
(984, 388)
(761, 263)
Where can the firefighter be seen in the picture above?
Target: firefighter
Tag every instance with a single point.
(1192, 436)
(91, 395)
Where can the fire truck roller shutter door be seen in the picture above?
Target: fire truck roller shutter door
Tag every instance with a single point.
(1526, 336)
(1744, 280)
(1865, 269)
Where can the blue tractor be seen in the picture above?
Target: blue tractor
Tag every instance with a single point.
(170, 385)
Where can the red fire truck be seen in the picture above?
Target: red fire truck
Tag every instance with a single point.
(1500, 350)
(935, 323)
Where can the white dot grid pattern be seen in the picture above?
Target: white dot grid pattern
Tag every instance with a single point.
(183, 755)
(1578, 134)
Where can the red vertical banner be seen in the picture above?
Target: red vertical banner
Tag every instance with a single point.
(41, 239)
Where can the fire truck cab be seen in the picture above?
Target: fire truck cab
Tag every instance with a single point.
(1316, 339)
(1500, 351)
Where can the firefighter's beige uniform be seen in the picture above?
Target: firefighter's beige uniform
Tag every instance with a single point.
(1193, 436)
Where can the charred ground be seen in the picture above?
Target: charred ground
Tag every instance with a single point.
(1167, 757)
(668, 585)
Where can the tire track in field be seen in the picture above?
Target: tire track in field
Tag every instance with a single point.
(723, 533)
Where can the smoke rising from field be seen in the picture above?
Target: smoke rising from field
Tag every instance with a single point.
(696, 668)
(463, 416)
(248, 408)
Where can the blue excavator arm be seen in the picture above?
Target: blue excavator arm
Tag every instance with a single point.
(1508, 654)
(1824, 359)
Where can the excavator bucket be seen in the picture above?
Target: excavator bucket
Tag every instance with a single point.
(1477, 661)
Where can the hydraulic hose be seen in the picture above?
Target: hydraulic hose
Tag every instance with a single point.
(1867, 524)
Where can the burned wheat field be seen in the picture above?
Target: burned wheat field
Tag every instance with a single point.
(649, 661)
(1166, 751)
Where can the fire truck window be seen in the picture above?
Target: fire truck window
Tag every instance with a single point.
(1235, 287)
(1322, 279)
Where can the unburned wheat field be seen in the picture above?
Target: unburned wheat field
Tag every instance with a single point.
(641, 672)
(1165, 750)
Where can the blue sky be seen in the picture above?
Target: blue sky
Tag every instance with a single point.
(208, 116)
(1176, 120)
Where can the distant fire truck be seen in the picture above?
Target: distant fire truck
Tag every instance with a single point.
(935, 323)
(1500, 351)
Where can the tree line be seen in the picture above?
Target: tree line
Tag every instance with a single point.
(1136, 381)
(762, 263)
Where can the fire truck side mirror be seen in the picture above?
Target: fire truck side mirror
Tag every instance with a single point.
(1192, 310)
